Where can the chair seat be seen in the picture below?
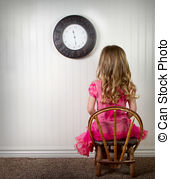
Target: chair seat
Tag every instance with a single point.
(132, 141)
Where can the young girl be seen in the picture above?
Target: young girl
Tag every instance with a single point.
(113, 87)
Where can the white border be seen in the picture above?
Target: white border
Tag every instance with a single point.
(162, 32)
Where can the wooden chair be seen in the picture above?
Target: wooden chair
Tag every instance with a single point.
(119, 148)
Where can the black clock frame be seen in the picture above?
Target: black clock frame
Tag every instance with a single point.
(58, 40)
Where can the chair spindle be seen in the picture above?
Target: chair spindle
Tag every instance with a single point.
(115, 141)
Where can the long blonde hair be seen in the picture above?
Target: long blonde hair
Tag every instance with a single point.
(113, 70)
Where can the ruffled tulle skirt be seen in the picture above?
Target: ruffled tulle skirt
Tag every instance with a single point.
(84, 143)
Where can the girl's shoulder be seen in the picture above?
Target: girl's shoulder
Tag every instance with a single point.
(94, 88)
(96, 82)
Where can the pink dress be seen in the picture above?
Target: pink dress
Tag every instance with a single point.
(84, 144)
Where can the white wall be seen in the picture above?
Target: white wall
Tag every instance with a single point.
(43, 95)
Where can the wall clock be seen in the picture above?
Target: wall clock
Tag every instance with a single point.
(74, 36)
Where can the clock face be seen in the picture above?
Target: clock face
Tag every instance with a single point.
(74, 36)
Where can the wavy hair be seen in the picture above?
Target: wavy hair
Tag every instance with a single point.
(113, 70)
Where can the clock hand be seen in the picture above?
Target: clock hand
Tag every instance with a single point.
(74, 37)
(73, 33)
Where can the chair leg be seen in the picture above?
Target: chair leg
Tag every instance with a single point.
(95, 162)
(132, 165)
(119, 151)
(99, 157)
(128, 156)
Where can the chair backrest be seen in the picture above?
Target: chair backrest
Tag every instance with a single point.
(114, 109)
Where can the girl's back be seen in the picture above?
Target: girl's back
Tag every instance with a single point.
(95, 90)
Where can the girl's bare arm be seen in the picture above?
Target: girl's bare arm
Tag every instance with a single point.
(132, 106)
(91, 105)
